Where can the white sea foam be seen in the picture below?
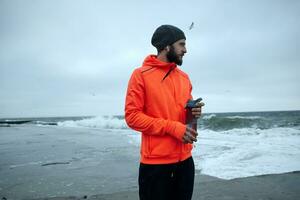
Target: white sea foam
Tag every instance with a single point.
(227, 154)
(232, 117)
(208, 116)
(240, 153)
(244, 152)
(96, 122)
(244, 117)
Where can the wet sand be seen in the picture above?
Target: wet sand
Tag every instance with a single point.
(265, 187)
(38, 162)
(67, 163)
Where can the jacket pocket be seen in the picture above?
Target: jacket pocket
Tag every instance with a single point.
(160, 146)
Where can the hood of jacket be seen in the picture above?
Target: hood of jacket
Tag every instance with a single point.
(152, 60)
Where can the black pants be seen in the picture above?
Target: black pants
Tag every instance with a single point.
(167, 181)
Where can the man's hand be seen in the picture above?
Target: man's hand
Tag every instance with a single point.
(189, 136)
(198, 110)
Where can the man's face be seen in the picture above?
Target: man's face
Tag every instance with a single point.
(176, 52)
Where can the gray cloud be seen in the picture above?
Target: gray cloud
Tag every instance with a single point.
(62, 58)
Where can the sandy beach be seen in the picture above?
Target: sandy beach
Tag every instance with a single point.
(265, 187)
(51, 162)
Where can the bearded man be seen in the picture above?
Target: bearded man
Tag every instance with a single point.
(155, 106)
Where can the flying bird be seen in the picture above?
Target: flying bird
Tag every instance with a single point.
(191, 26)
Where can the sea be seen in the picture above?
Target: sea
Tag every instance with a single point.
(230, 145)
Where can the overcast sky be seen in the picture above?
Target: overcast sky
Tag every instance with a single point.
(70, 58)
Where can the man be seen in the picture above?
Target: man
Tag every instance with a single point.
(155, 105)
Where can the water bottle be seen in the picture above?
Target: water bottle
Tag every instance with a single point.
(191, 121)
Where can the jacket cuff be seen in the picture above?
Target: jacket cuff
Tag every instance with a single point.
(177, 130)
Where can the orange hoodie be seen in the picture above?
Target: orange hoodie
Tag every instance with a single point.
(156, 96)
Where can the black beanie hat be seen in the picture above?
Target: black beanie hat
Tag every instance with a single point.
(166, 35)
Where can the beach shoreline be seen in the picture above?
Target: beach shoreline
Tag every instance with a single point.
(263, 187)
(51, 162)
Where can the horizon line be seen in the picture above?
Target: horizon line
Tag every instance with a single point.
(222, 112)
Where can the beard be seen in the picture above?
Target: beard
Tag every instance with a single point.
(173, 57)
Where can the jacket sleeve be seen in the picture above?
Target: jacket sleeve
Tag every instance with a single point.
(139, 121)
(191, 88)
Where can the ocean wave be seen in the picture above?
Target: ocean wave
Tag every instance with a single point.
(105, 122)
(247, 152)
(220, 123)
(43, 123)
(243, 152)
(212, 122)
(271, 132)
(209, 116)
(244, 117)
(216, 122)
